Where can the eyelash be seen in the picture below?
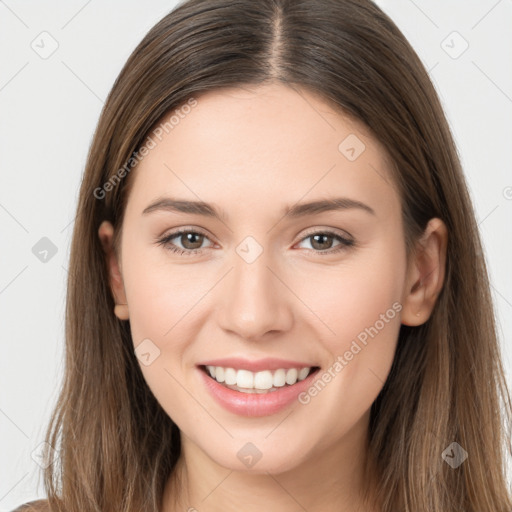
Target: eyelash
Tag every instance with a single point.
(345, 243)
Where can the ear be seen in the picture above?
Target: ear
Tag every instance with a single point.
(425, 274)
(106, 235)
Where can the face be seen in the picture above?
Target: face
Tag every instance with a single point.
(269, 286)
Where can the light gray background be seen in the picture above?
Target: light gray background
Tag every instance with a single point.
(49, 108)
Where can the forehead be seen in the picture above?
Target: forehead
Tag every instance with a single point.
(261, 143)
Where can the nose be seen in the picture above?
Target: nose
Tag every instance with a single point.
(254, 300)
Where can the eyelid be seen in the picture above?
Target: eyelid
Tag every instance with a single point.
(334, 231)
(186, 229)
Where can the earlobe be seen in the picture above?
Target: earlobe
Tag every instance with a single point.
(106, 235)
(425, 275)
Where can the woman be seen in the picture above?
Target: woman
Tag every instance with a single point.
(277, 297)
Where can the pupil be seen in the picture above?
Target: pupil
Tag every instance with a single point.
(189, 237)
(315, 243)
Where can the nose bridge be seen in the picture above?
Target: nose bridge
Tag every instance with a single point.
(255, 301)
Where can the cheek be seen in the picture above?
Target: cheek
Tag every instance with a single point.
(360, 365)
(160, 294)
(352, 295)
(363, 309)
(364, 322)
(160, 299)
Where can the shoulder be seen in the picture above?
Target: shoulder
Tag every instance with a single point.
(33, 506)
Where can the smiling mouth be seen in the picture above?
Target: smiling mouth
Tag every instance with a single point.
(266, 381)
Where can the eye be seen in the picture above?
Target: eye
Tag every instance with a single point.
(323, 240)
(191, 241)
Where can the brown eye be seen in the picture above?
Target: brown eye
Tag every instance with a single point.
(189, 240)
(322, 242)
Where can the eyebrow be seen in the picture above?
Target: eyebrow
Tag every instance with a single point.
(297, 210)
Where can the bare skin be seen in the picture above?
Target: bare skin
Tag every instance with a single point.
(252, 152)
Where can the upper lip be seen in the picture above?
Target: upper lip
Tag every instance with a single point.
(255, 365)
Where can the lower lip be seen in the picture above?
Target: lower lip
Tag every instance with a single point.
(255, 404)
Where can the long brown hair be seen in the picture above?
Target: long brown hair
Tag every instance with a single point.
(117, 447)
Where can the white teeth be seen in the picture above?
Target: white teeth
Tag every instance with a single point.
(279, 378)
(244, 379)
(303, 373)
(291, 376)
(219, 373)
(230, 376)
(262, 381)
